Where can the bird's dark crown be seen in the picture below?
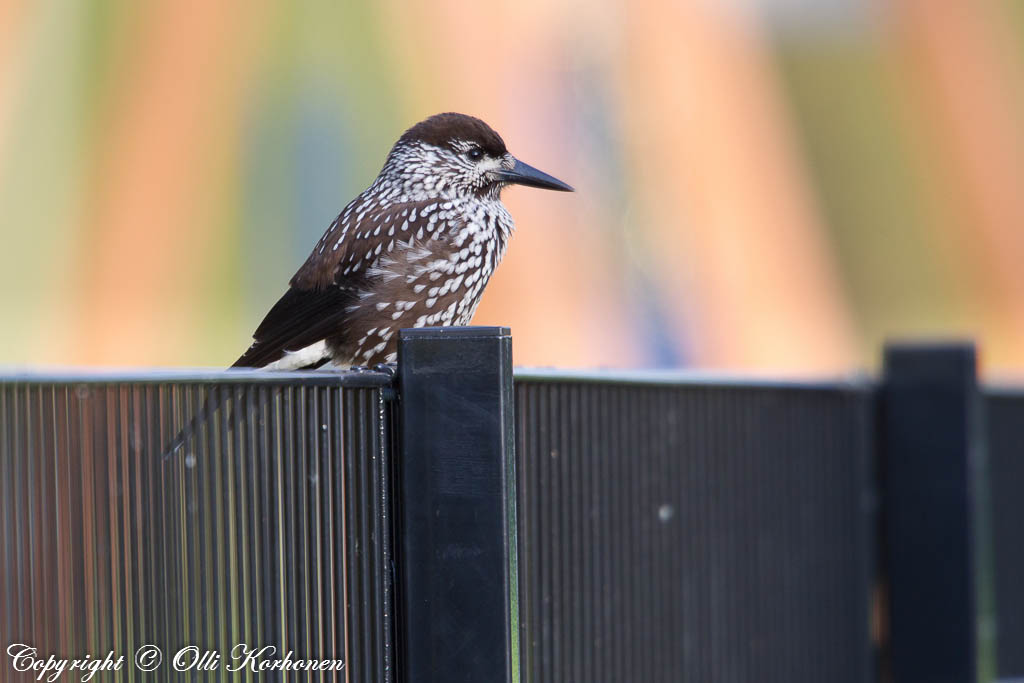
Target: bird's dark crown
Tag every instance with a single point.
(441, 130)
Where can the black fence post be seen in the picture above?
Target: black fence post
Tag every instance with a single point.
(930, 449)
(457, 578)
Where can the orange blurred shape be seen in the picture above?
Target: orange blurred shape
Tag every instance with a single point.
(166, 142)
(733, 220)
(968, 97)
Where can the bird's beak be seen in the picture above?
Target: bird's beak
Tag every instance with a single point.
(524, 174)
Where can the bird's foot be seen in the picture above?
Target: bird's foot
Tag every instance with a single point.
(389, 369)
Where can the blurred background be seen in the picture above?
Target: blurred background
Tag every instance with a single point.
(762, 185)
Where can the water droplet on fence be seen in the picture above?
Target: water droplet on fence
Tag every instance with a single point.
(665, 512)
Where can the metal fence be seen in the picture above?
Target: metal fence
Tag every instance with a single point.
(451, 523)
(270, 528)
(693, 531)
(1004, 411)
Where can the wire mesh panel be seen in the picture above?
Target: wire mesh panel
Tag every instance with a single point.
(694, 532)
(269, 529)
(1004, 412)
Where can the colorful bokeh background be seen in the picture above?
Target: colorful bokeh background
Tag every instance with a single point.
(767, 186)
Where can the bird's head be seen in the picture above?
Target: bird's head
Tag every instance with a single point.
(458, 155)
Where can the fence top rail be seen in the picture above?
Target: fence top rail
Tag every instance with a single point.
(1004, 388)
(856, 382)
(358, 379)
(361, 379)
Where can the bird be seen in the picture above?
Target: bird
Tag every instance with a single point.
(415, 249)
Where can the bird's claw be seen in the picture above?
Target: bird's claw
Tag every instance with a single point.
(389, 369)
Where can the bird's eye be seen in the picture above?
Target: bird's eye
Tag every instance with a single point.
(475, 154)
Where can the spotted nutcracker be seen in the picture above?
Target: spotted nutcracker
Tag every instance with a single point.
(415, 249)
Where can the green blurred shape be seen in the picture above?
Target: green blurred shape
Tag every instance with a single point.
(884, 223)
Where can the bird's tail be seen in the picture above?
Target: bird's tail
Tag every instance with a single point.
(213, 401)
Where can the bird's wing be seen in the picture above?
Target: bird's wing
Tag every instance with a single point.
(340, 267)
(299, 319)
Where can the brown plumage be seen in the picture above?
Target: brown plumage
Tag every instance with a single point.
(415, 249)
